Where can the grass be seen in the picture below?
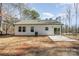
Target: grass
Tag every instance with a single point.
(73, 36)
(31, 45)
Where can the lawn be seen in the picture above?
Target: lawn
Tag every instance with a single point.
(36, 46)
(73, 36)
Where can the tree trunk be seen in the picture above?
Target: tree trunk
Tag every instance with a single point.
(76, 14)
(0, 18)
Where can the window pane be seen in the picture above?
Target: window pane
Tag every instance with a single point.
(46, 28)
(32, 29)
(19, 29)
(24, 29)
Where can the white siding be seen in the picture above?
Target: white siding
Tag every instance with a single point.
(37, 28)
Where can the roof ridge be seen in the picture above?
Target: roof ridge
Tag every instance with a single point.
(38, 22)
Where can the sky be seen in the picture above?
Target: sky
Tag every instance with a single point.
(48, 10)
(53, 10)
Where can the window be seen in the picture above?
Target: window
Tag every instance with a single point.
(19, 29)
(46, 28)
(32, 29)
(24, 29)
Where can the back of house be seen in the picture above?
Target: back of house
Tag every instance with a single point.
(38, 27)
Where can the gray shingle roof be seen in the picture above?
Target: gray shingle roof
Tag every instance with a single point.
(39, 22)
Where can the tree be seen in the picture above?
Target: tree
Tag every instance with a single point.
(26, 13)
(11, 13)
(0, 18)
(15, 10)
(8, 23)
(68, 16)
(31, 14)
(76, 15)
(20, 7)
(34, 14)
(8, 17)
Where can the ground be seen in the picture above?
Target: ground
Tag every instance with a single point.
(36, 46)
(75, 36)
(61, 38)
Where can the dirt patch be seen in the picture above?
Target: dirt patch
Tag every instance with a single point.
(36, 46)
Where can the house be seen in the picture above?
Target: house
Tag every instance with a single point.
(38, 27)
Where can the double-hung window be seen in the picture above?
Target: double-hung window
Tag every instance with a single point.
(21, 29)
(32, 29)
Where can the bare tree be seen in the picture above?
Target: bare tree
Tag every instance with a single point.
(68, 15)
(12, 12)
(0, 18)
(20, 7)
(8, 17)
(76, 15)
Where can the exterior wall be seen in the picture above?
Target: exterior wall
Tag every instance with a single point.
(37, 28)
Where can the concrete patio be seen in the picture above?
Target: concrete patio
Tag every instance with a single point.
(60, 38)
